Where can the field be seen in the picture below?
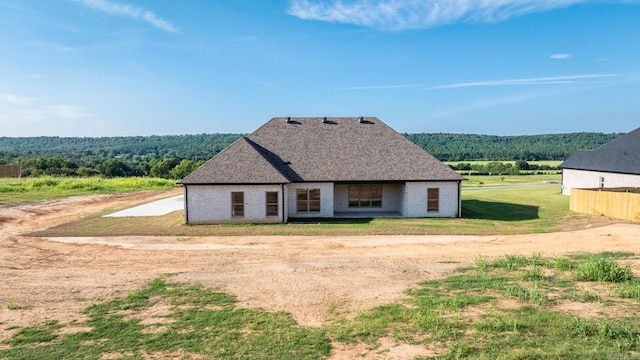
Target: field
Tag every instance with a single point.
(529, 280)
(551, 163)
(14, 191)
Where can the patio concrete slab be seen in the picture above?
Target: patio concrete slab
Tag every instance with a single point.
(156, 208)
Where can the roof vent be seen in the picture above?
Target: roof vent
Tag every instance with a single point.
(325, 120)
(363, 120)
(289, 120)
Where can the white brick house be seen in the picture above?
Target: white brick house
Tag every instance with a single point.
(320, 168)
(613, 165)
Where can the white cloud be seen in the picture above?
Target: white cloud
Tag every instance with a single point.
(560, 56)
(15, 99)
(23, 116)
(131, 11)
(550, 80)
(419, 14)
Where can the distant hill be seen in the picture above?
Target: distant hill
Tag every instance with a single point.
(459, 147)
(446, 147)
(136, 155)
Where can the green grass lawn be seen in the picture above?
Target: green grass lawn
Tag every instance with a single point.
(484, 212)
(14, 191)
(502, 308)
(510, 180)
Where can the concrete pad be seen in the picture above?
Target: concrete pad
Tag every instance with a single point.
(156, 208)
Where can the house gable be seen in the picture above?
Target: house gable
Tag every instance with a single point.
(241, 163)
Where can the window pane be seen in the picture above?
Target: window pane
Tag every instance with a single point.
(237, 197)
(307, 200)
(433, 199)
(314, 205)
(376, 195)
(301, 200)
(272, 197)
(237, 204)
(354, 196)
(314, 199)
(272, 210)
(272, 203)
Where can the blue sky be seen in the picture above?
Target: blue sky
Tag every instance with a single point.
(134, 67)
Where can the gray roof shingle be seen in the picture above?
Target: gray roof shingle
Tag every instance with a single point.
(621, 155)
(339, 149)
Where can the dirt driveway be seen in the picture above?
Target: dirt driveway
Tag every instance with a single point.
(306, 276)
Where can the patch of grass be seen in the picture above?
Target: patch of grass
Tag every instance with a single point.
(512, 262)
(630, 289)
(613, 255)
(464, 312)
(14, 191)
(497, 309)
(562, 264)
(13, 304)
(36, 334)
(531, 295)
(584, 296)
(602, 269)
(200, 322)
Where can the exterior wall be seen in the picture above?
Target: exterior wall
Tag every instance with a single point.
(615, 204)
(585, 179)
(415, 199)
(211, 204)
(392, 196)
(326, 199)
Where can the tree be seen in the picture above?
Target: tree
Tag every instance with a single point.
(522, 165)
(114, 168)
(184, 168)
(162, 168)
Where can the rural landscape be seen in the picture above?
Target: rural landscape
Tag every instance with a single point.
(519, 275)
(319, 179)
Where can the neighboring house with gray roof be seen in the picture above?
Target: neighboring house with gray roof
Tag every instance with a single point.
(321, 167)
(613, 165)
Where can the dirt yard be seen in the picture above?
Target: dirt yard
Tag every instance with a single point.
(314, 278)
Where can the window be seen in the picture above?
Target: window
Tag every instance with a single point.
(272, 203)
(365, 195)
(308, 200)
(237, 204)
(601, 181)
(433, 199)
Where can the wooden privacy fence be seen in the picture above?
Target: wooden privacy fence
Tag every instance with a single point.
(10, 171)
(619, 203)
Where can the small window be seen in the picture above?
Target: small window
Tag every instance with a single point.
(237, 204)
(433, 200)
(601, 181)
(272, 203)
(308, 200)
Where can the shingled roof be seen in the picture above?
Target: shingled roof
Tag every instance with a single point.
(621, 155)
(339, 149)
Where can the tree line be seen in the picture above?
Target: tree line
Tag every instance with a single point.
(175, 156)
